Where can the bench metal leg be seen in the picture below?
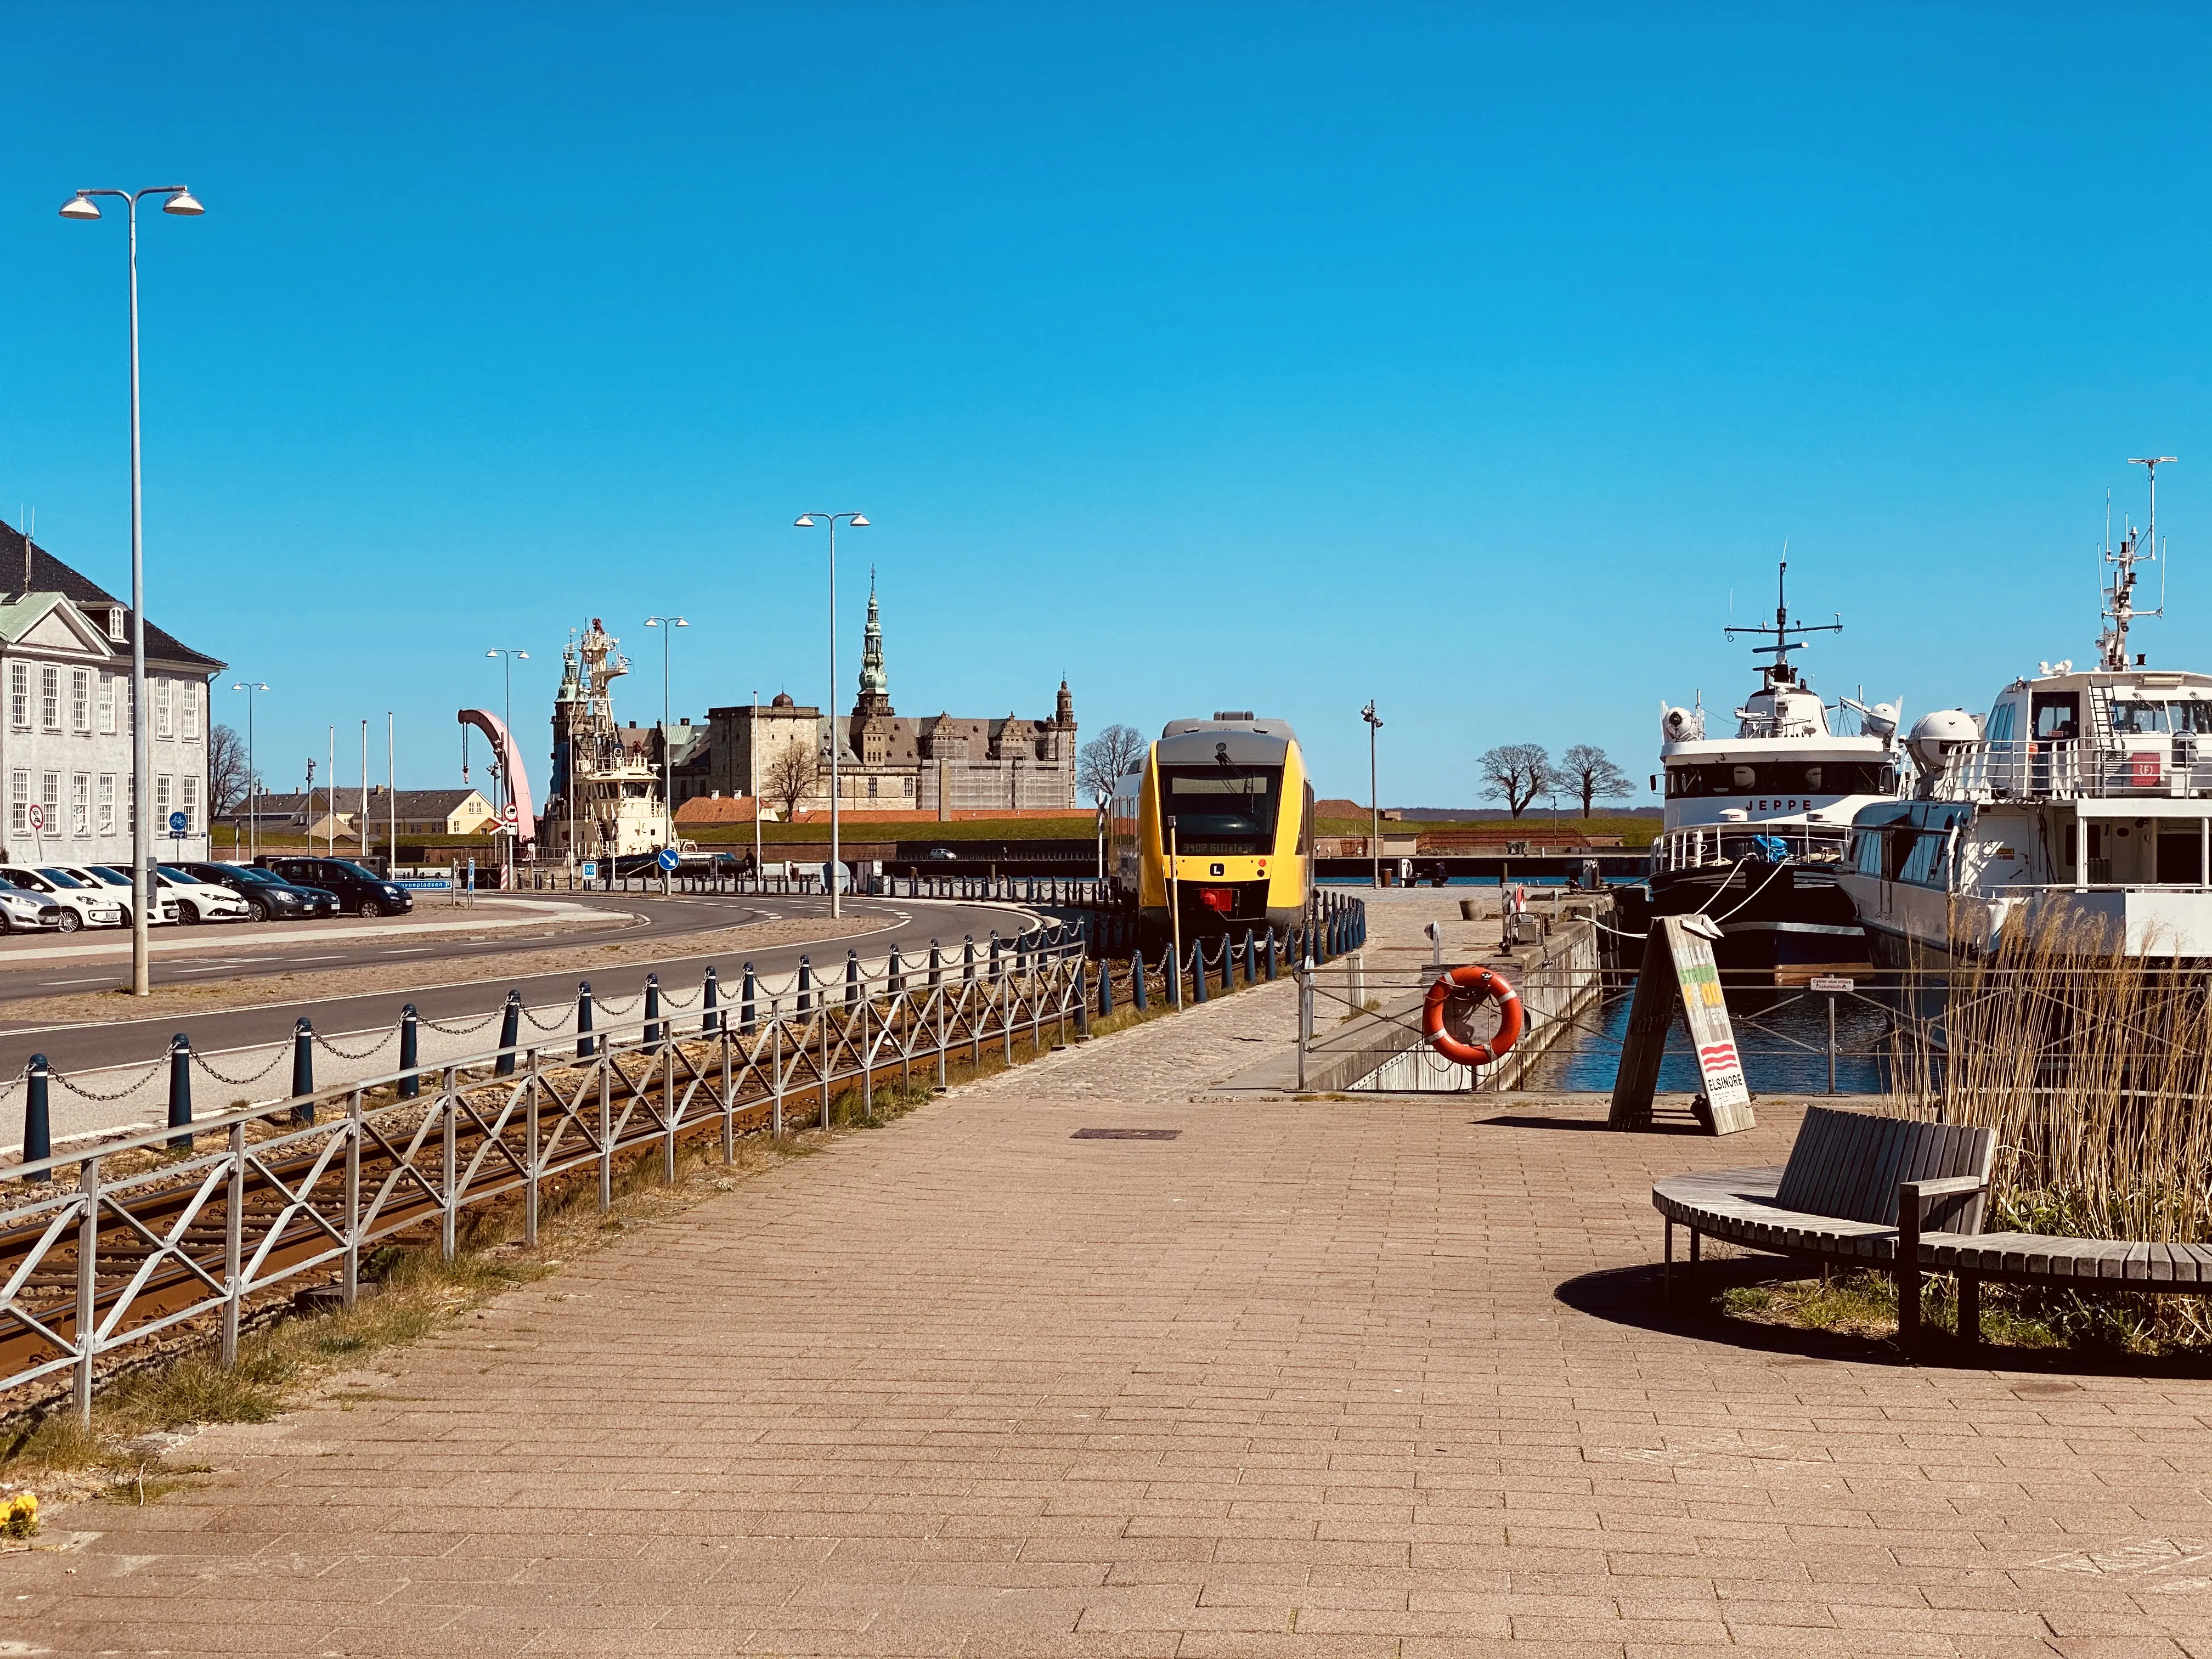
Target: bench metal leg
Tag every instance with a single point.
(1970, 1308)
(1666, 1266)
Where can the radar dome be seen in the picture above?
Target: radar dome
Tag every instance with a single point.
(1935, 736)
(1682, 725)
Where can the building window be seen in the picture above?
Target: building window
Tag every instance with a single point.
(107, 701)
(19, 802)
(81, 804)
(130, 799)
(906, 786)
(50, 797)
(871, 788)
(19, 696)
(50, 697)
(165, 725)
(80, 700)
(162, 787)
(191, 804)
(115, 622)
(191, 711)
(108, 803)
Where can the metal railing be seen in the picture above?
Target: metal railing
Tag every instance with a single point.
(1705, 845)
(2079, 769)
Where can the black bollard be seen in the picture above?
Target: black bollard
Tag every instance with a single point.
(1105, 986)
(894, 973)
(303, 1069)
(510, 1035)
(805, 986)
(1270, 956)
(968, 955)
(852, 979)
(1198, 968)
(181, 1091)
(1137, 979)
(936, 965)
(38, 1121)
(653, 1007)
(1251, 958)
(994, 956)
(585, 1047)
(745, 1018)
(710, 995)
(410, 1082)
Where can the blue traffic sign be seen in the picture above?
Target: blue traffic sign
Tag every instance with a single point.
(667, 858)
(589, 870)
(179, 823)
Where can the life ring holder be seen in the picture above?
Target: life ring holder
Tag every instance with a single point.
(1492, 987)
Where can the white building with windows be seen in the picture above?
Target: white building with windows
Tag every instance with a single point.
(65, 718)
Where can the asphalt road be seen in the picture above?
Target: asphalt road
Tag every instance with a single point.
(447, 993)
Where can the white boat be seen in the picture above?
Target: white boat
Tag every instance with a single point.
(1757, 824)
(2083, 795)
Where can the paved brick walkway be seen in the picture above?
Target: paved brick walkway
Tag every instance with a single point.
(1296, 1382)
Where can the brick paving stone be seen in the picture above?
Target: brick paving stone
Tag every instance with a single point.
(1300, 1383)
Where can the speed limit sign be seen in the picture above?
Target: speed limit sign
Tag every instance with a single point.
(38, 816)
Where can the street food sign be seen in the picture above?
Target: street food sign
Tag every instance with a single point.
(1679, 971)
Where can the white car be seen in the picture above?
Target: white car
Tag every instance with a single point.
(197, 900)
(84, 903)
(104, 878)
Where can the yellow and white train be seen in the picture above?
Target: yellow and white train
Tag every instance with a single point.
(1231, 796)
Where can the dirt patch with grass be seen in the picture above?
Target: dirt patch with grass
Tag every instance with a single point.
(1865, 1305)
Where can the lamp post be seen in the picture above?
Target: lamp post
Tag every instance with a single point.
(806, 521)
(667, 625)
(1374, 800)
(82, 206)
(511, 654)
(252, 787)
(752, 778)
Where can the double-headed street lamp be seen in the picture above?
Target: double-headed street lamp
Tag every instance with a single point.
(1374, 800)
(807, 521)
(511, 654)
(667, 625)
(253, 782)
(82, 206)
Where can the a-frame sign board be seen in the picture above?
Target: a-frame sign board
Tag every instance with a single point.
(1679, 972)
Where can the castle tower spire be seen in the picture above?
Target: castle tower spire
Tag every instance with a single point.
(875, 682)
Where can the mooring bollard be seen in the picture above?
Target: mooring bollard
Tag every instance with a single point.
(410, 1082)
(181, 1091)
(710, 995)
(38, 1121)
(1136, 979)
(303, 1069)
(852, 979)
(807, 988)
(653, 1008)
(746, 1020)
(585, 1047)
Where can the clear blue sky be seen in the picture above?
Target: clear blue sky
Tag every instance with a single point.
(1269, 357)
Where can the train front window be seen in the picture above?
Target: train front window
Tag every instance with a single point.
(1222, 809)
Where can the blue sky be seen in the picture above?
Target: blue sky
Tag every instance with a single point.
(1275, 358)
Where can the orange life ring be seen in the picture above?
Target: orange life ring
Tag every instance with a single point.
(1485, 983)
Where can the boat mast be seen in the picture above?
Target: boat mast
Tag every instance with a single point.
(2119, 599)
(1779, 672)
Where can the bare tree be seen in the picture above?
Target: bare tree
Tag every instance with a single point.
(1516, 773)
(791, 777)
(1586, 771)
(1100, 762)
(228, 781)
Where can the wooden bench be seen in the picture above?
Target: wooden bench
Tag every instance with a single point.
(1862, 1191)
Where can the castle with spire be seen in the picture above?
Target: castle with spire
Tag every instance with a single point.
(937, 764)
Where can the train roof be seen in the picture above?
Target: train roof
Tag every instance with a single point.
(1246, 739)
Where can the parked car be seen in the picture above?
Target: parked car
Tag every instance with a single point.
(84, 904)
(941, 853)
(201, 901)
(106, 879)
(361, 891)
(22, 912)
(266, 894)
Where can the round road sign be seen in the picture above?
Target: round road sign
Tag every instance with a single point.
(667, 859)
(38, 816)
(179, 823)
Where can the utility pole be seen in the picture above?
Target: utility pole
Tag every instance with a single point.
(1374, 799)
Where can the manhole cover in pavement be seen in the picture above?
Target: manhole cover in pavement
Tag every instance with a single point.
(1124, 1134)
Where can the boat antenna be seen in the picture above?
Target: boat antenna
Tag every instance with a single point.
(1779, 672)
(2120, 609)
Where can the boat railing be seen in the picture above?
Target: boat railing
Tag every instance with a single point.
(1696, 847)
(2075, 769)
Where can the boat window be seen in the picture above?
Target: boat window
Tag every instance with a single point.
(2001, 723)
(2058, 716)
(1783, 778)
(2133, 719)
(1868, 861)
(2193, 718)
(1920, 867)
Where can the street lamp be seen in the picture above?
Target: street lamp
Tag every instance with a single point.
(806, 521)
(252, 783)
(506, 784)
(1374, 800)
(668, 625)
(82, 206)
